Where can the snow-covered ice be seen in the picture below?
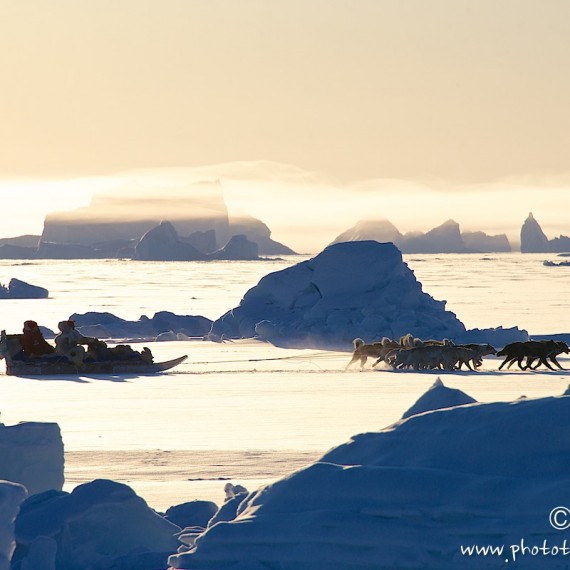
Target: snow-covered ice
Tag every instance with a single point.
(31, 453)
(351, 289)
(250, 413)
(411, 496)
(11, 495)
(437, 397)
(192, 513)
(95, 524)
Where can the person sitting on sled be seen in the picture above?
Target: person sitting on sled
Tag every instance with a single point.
(33, 341)
(68, 342)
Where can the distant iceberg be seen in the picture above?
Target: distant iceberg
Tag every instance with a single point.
(446, 238)
(534, 240)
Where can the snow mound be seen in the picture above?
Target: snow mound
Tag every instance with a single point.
(354, 289)
(437, 398)
(410, 496)
(192, 513)
(96, 526)
(31, 453)
(106, 325)
(11, 495)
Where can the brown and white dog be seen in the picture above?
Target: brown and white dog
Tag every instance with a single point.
(363, 351)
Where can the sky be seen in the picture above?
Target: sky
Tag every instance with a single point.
(355, 98)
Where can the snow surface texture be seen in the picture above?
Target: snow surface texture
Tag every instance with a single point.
(31, 453)
(11, 495)
(437, 398)
(354, 289)
(410, 496)
(101, 524)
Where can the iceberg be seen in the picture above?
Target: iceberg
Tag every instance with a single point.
(446, 238)
(353, 289)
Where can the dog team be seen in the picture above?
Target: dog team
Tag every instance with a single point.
(411, 352)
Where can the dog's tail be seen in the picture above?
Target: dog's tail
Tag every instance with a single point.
(407, 340)
(358, 342)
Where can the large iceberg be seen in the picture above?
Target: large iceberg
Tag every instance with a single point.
(418, 494)
(353, 289)
(110, 224)
(31, 453)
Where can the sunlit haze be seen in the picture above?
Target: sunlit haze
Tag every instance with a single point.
(304, 210)
(312, 114)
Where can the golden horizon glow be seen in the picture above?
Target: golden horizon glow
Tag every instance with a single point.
(304, 210)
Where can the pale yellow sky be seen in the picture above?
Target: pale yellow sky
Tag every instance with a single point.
(460, 90)
(313, 113)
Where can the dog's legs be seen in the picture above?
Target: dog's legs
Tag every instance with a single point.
(546, 363)
(363, 360)
(354, 359)
(504, 362)
(553, 358)
(529, 361)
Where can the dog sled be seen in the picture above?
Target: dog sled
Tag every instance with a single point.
(18, 364)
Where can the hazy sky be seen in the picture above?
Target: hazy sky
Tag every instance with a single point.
(320, 111)
(468, 90)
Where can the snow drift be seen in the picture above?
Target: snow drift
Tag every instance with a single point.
(31, 453)
(411, 496)
(354, 289)
(437, 398)
(102, 524)
(105, 325)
